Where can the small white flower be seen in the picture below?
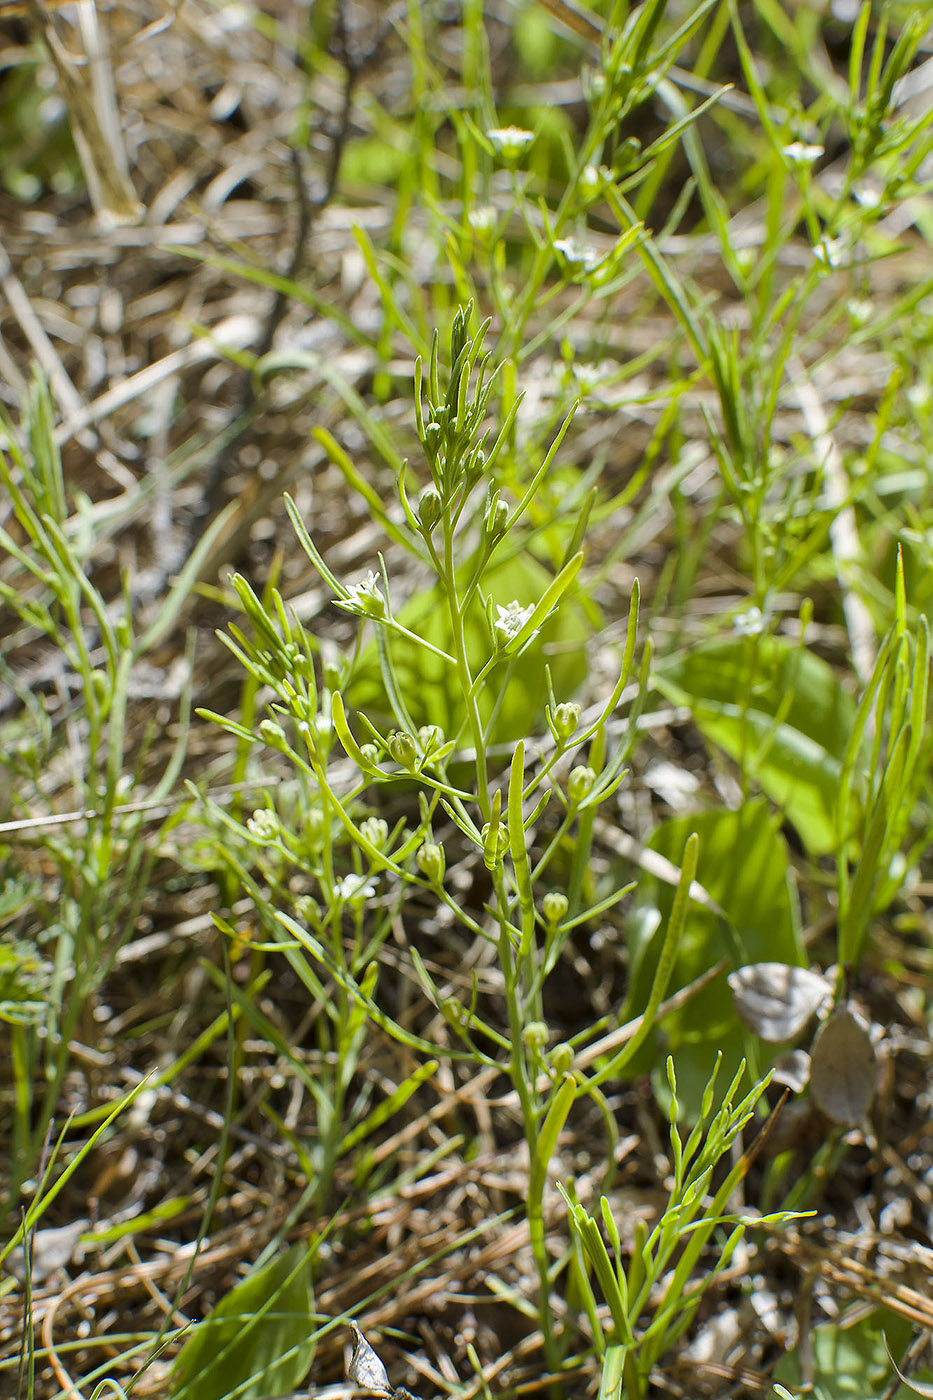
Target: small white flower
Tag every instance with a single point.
(577, 254)
(482, 219)
(830, 252)
(512, 618)
(353, 888)
(750, 623)
(510, 141)
(867, 196)
(800, 154)
(263, 826)
(367, 597)
(860, 311)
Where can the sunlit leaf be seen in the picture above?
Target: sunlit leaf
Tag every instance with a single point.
(256, 1340)
(849, 1360)
(744, 867)
(779, 712)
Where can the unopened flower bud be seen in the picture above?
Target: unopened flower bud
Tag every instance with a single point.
(496, 519)
(314, 827)
(460, 330)
(432, 862)
(561, 1058)
(375, 831)
(430, 737)
(430, 507)
(402, 750)
(580, 784)
(566, 719)
(432, 437)
(554, 907)
(308, 910)
(495, 844)
(273, 734)
(370, 753)
(535, 1035)
(453, 1011)
(590, 181)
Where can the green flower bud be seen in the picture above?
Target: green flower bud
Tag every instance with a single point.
(432, 437)
(580, 784)
(535, 1035)
(452, 1011)
(332, 674)
(496, 517)
(375, 831)
(566, 719)
(308, 910)
(459, 331)
(370, 753)
(431, 738)
(432, 862)
(430, 507)
(314, 828)
(590, 181)
(561, 1058)
(554, 907)
(495, 844)
(273, 734)
(403, 751)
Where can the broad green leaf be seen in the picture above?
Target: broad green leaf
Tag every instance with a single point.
(256, 1340)
(744, 867)
(779, 712)
(849, 1361)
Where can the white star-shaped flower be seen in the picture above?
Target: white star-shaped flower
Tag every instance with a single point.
(510, 141)
(366, 596)
(512, 618)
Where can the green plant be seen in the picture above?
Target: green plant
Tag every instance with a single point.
(104, 851)
(658, 1278)
(541, 889)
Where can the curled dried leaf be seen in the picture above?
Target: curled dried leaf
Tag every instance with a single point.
(844, 1068)
(776, 1000)
(792, 1070)
(365, 1368)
